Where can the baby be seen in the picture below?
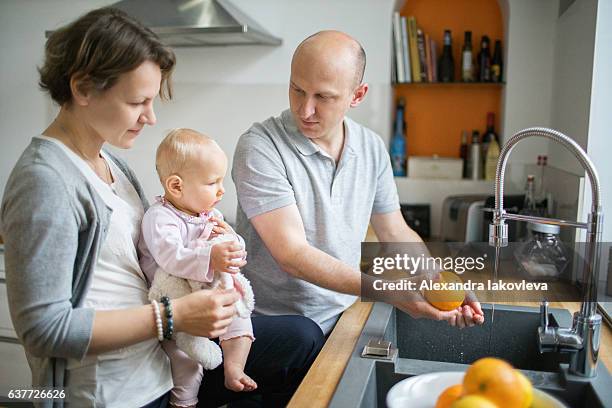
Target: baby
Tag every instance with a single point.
(185, 246)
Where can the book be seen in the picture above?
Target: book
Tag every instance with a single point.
(434, 59)
(405, 50)
(428, 58)
(415, 65)
(422, 60)
(397, 42)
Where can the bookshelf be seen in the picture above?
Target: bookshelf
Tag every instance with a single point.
(437, 112)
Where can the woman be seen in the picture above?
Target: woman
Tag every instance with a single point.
(71, 218)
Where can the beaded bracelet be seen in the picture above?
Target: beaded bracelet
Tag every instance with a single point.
(165, 300)
(158, 321)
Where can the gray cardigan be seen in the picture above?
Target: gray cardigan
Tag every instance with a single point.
(53, 223)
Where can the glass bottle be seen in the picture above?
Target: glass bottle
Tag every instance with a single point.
(467, 65)
(398, 142)
(496, 63)
(463, 152)
(475, 162)
(484, 61)
(446, 65)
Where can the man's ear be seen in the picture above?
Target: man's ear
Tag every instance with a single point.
(81, 91)
(359, 95)
(174, 186)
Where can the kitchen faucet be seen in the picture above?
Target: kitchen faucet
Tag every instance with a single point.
(582, 339)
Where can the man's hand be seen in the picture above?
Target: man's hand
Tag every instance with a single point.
(468, 314)
(227, 257)
(471, 311)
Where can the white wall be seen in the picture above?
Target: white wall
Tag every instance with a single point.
(599, 143)
(24, 111)
(530, 27)
(220, 91)
(573, 76)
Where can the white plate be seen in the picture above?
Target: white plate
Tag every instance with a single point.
(422, 391)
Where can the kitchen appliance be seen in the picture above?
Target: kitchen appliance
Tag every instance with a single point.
(462, 218)
(417, 217)
(197, 23)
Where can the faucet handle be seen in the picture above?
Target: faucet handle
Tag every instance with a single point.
(544, 314)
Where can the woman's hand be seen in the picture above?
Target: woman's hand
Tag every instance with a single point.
(205, 313)
(227, 257)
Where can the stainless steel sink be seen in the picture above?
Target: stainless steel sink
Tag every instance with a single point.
(426, 346)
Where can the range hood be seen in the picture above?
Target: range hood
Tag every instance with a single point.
(197, 23)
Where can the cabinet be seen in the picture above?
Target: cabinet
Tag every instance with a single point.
(436, 113)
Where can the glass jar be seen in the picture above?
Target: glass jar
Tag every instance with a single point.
(543, 255)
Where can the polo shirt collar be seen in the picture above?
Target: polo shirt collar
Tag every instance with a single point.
(301, 142)
(305, 146)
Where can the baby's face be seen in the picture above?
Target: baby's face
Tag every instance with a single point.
(203, 181)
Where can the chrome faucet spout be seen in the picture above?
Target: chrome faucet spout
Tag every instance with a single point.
(582, 339)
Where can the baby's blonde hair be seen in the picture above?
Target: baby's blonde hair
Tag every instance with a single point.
(177, 150)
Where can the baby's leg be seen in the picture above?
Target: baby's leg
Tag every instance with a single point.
(201, 349)
(186, 375)
(235, 353)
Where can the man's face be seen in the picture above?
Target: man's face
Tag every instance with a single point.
(319, 96)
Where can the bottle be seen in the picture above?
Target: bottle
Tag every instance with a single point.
(542, 162)
(488, 135)
(474, 161)
(484, 61)
(467, 66)
(398, 142)
(496, 63)
(491, 160)
(446, 66)
(529, 203)
(529, 208)
(463, 152)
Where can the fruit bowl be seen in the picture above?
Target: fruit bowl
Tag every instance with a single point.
(422, 391)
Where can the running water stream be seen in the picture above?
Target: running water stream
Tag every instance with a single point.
(495, 272)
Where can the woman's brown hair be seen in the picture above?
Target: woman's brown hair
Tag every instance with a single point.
(96, 49)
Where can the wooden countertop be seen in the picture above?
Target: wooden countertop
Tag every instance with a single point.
(323, 377)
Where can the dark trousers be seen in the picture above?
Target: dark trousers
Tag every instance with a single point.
(283, 350)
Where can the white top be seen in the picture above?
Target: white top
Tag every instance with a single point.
(117, 378)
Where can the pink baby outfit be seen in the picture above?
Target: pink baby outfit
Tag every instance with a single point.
(178, 243)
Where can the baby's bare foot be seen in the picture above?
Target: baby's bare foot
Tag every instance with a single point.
(237, 380)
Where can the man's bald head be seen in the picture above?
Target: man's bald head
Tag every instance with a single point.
(330, 45)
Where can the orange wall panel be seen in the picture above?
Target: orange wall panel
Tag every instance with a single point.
(437, 113)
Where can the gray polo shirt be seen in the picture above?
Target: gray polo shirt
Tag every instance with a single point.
(275, 166)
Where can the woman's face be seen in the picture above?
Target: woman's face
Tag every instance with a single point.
(118, 114)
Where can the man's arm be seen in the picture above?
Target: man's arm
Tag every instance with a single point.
(282, 231)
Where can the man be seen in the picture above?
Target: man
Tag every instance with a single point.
(308, 184)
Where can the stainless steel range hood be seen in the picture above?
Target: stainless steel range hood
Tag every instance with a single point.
(197, 23)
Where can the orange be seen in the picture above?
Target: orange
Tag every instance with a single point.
(449, 395)
(495, 380)
(527, 389)
(446, 299)
(473, 401)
